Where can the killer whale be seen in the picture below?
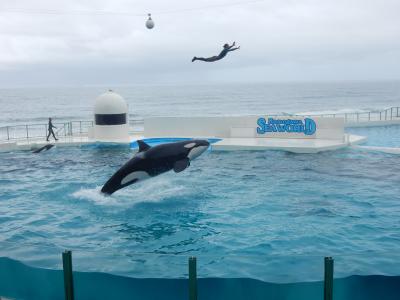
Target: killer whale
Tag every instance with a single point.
(47, 147)
(152, 161)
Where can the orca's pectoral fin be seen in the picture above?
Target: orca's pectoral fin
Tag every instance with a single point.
(181, 165)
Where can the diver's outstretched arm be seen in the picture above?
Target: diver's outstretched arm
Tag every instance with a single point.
(233, 49)
(233, 44)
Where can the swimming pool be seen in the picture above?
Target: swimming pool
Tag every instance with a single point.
(267, 215)
(382, 136)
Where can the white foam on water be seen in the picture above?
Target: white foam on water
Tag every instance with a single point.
(96, 196)
(152, 190)
(157, 189)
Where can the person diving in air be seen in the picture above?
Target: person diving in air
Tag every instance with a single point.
(223, 53)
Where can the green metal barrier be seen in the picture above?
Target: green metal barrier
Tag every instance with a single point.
(68, 280)
(328, 278)
(192, 278)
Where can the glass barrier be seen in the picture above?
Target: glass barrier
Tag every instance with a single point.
(269, 268)
(227, 276)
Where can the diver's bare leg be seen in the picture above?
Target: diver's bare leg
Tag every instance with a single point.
(208, 59)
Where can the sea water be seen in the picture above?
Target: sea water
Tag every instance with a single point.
(35, 105)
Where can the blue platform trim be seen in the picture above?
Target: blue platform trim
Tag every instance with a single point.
(105, 145)
(158, 141)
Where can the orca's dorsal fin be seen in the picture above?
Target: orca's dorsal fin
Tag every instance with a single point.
(143, 146)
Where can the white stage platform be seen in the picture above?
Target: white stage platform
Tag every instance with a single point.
(290, 145)
(287, 133)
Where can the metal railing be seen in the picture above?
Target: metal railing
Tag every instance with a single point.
(388, 114)
(66, 129)
(34, 131)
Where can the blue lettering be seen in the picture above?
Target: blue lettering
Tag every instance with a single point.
(308, 126)
(281, 127)
(271, 128)
(261, 122)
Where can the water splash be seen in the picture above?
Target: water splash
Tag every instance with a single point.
(95, 196)
(154, 190)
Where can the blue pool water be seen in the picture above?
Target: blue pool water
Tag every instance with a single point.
(256, 214)
(382, 136)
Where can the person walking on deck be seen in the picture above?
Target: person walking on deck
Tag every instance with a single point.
(50, 129)
(223, 53)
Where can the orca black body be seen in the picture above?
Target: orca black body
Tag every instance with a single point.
(153, 161)
(45, 147)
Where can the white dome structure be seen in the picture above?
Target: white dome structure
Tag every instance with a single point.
(110, 103)
(110, 118)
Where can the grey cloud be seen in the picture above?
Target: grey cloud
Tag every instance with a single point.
(281, 40)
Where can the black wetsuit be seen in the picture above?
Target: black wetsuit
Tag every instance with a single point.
(51, 126)
(223, 53)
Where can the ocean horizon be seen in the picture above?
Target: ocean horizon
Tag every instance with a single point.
(26, 105)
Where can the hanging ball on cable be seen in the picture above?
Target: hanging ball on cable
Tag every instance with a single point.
(149, 23)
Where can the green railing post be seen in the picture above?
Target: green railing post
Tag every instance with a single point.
(8, 134)
(192, 278)
(328, 278)
(68, 280)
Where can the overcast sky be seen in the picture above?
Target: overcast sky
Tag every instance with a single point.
(74, 43)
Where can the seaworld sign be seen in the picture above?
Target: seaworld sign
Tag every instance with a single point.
(306, 126)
